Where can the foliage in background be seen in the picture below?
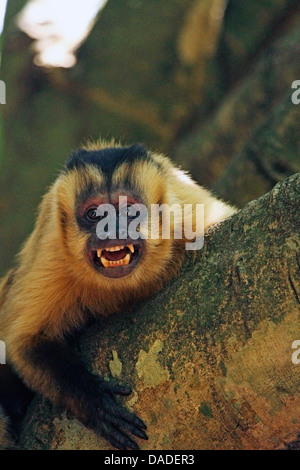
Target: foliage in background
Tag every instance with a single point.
(142, 76)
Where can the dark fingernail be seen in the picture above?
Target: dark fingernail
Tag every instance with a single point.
(142, 434)
(132, 445)
(141, 424)
(119, 389)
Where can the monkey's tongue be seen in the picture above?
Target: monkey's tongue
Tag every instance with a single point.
(114, 255)
(114, 259)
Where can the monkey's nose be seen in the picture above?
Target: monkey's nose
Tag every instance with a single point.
(123, 234)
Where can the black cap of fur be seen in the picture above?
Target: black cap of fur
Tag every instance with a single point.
(107, 159)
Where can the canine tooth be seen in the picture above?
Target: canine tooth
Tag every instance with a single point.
(131, 248)
(105, 262)
(126, 260)
(99, 253)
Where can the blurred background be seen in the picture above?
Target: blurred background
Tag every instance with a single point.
(206, 81)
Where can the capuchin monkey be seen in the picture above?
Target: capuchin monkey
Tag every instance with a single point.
(66, 274)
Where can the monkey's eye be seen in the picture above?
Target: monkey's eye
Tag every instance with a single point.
(91, 215)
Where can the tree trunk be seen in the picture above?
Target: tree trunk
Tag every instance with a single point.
(208, 148)
(209, 357)
(269, 156)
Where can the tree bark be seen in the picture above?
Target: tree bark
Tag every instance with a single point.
(208, 148)
(269, 156)
(209, 357)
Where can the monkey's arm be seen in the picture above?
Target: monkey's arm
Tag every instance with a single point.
(53, 369)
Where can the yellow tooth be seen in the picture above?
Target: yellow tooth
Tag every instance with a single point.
(131, 248)
(105, 262)
(99, 253)
(112, 264)
(126, 260)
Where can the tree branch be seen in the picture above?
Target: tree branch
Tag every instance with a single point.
(209, 357)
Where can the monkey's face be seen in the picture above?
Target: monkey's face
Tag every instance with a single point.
(107, 218)
(105, 212)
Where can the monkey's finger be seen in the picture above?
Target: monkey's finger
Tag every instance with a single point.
(135, 431)
(116, 389)
(114, 442)
(121, 390)
(117, 438)
(120, 412)
(120, 423)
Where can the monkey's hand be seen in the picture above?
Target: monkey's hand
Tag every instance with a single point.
(54, 370)
(109, 419)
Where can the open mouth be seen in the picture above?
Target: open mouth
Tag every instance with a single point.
(116, 260)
